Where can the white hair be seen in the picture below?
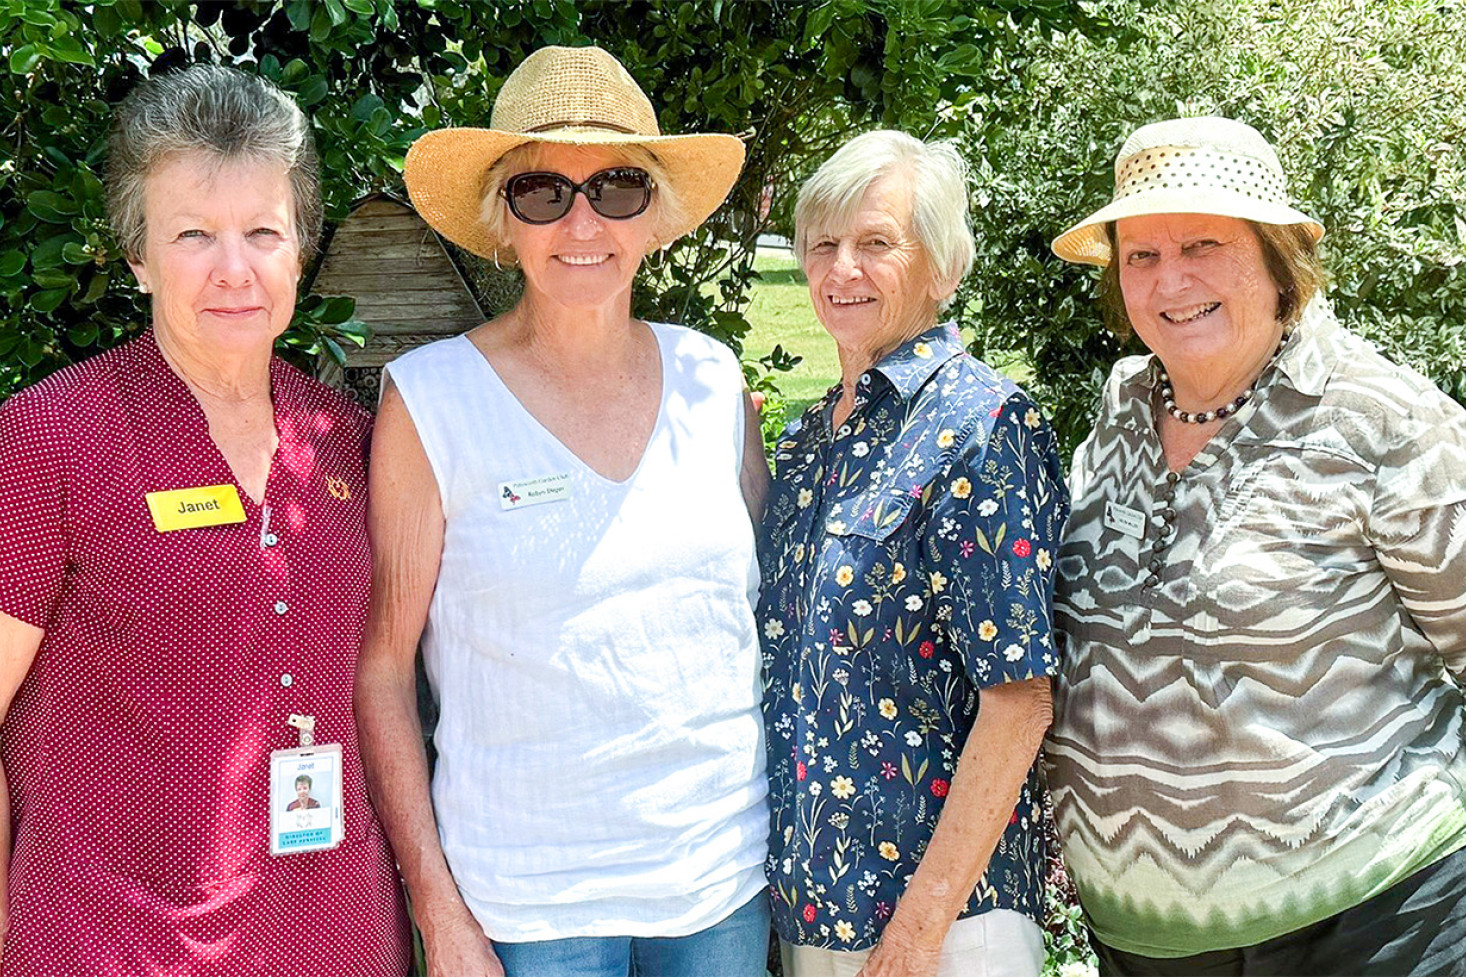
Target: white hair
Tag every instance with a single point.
(830, 198)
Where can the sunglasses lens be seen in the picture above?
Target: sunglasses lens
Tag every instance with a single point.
(619, 194)
(540, 198)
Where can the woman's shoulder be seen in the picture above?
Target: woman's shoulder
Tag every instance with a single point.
(1389, 402)
(72, 396)
(688, 341)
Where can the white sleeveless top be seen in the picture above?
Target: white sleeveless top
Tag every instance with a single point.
(600, 745)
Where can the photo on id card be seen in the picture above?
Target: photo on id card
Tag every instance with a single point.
(305, 799)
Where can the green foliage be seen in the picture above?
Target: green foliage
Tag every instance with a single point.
(1362, 101)
(793, 77)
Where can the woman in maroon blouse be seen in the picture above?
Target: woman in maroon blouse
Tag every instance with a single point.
(183, 585)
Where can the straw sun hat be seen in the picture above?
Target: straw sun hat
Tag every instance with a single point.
(1206, 165)
(575, 97)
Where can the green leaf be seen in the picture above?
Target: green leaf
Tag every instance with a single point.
(31, 352)
(321, 24)
(84, 334)
(336, 12)
(336, 309)
(52, 207)
(363, 108)
(75, 254)
(106, 20)
(48, 301)
(11, 262)
(54, 278)
(67, 48)
(47, 254)
(299, 12)
(363, 7)
(24, 58)
(314, 90)
(97, 287)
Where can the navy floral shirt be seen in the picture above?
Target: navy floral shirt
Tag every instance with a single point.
(908, 562)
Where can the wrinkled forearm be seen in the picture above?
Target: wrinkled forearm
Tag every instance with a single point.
(990, 775)
(397, 775)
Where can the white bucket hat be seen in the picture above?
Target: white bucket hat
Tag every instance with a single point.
(1204, 165)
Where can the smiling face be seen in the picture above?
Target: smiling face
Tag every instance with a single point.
(220, 256)
(582, 260)
(1198, 292)
(871, 283)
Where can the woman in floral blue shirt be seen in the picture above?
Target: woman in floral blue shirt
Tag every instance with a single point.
(908, 569)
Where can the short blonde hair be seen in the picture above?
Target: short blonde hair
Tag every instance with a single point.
(666, 208)
(938, 175)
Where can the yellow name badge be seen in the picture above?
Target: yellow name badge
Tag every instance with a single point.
(192, 508)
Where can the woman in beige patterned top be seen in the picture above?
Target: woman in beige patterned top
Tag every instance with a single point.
(1257, 759)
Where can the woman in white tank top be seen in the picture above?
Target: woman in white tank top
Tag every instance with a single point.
(562, 506)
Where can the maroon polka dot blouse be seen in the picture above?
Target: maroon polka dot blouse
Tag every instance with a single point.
(137, 748)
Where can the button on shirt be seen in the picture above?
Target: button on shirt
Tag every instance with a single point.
(137, 749)
(907, 562)
(1256, 728)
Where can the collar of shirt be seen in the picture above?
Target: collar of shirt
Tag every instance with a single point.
(909, 366)
(1306, 364)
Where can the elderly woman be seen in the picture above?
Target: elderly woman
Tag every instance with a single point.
(1258, 757)
(183, 573)
(909, 543)
(558, 513)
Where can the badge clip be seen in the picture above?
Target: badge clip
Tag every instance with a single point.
(307, 727)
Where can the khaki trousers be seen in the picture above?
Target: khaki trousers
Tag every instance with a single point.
(1000, 943)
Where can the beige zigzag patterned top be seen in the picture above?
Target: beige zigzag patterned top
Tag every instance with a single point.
(1256, 723)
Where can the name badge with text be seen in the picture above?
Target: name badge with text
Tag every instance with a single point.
(306, 806)
(193, 508)
(533, 491)
(1124, 519)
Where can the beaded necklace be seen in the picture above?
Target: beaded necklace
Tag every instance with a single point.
(1168, 395)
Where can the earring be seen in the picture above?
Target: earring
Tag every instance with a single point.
(143, 288)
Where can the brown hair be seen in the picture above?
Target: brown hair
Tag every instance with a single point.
(1289, 253)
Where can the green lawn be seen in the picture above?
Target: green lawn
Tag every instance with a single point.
(781, 315)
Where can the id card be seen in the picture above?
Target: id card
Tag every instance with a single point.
(305, 799)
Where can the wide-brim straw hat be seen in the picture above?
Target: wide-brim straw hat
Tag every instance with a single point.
(1204, 165)
(575, 97)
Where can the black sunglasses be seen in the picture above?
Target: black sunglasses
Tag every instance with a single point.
(543, 198)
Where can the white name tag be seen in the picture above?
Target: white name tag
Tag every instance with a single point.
(1124, 519)
(306, 809)
(533, 491)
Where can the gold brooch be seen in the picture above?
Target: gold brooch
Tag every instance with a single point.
(338, 488)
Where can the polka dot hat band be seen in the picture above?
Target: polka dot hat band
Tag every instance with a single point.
(1205, 165)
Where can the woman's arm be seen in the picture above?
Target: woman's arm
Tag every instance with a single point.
(405, 518)
(754, 476)
(19, 642)
(994, 764)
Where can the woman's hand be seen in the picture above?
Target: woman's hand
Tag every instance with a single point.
(456, 947)
(897, 957)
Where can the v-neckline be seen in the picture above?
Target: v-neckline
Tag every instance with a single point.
(183, 397)
(554, 438)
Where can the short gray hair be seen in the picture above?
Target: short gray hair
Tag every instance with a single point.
(830, 198)
(217, 112)
(666, 207)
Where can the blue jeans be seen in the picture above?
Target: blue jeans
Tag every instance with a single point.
(736, 947)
